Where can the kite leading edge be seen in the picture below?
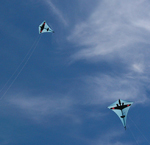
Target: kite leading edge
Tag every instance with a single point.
(43, 27)
(121, 108)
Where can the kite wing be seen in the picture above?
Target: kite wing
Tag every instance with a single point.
(43, 27)
(121, 108)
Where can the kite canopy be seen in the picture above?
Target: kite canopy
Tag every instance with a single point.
(121, 108)
(43, 27)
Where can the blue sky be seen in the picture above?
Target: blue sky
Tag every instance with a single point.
(99, 53)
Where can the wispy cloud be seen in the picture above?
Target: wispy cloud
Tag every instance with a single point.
(42, 109)
(57, 12)
(138, 68)
(110, 138)
(113, 26)
(106, 89)
(116, 30)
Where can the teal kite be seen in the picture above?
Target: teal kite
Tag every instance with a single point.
(121, 108)
(44, 28)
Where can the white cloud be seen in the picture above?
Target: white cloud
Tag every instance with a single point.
(116, 29)
(110, 138)
(40, 108)
(138, 68)
(52, 109)
(57, 12)
(113, 26)
(106, 89)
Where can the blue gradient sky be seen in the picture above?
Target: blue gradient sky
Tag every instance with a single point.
(99, 53)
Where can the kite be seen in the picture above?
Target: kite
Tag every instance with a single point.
(44, 28)
(121, 108)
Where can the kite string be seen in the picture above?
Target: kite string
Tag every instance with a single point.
(28, 54)
(139, 130)
(133, 135)
(19, 65)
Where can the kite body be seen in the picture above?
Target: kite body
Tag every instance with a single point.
(121, 108)
(44, 28)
